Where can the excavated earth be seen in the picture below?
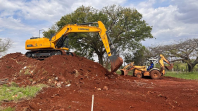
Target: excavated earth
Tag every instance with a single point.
(73, 80)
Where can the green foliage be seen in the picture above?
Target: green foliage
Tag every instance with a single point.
(139, 57)
(7, 109)
(49, 33)
(124, 25)
(15, 93)
(183, 75)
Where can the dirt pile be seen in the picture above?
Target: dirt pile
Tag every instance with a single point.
(59, 70)
(74, 80)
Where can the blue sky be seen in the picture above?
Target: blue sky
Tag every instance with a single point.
(172, 20)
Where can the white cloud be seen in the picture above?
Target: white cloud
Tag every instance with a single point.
(187, 11)
(49, 10)
(172, 23)
(17, 17)
(11, 23)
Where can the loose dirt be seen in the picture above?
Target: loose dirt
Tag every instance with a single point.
(72, 81)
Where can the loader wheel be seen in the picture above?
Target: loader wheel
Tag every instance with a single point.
(155, 74)
(139, 75)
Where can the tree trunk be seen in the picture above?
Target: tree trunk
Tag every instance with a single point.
(100, 58)
(190, 67)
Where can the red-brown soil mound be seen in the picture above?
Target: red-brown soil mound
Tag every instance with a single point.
(61, 69)
(73, 81)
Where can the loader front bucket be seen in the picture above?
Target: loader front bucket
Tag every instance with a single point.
(169, 67)
(116, 62)
(124, 72)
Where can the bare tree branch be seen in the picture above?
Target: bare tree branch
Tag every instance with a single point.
(5, 44)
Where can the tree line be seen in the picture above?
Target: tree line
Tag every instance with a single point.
(127, 29)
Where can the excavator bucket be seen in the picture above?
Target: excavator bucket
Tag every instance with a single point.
(116, 62)
(169, 67)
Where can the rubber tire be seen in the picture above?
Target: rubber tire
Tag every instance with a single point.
(139, 75)
(155, 74)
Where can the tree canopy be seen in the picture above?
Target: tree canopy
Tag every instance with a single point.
(124, 25)
(185, 51)
(139, 57)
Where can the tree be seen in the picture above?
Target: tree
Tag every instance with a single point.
(139, 57)
(185, 51)
(125, 26)
(5, 44)
(50, 32)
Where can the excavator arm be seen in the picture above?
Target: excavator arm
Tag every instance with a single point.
(71, 28)
(57, 41)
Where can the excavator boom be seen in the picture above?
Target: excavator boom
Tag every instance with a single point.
(57, 42)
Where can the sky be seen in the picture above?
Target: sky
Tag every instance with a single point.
(172, 20)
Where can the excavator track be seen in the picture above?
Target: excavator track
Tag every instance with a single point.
(42, 54)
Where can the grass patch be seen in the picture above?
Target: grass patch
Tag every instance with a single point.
(13, 92)
(183, 75)
(7, 109)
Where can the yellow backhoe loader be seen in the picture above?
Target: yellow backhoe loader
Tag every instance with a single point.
(154, 73)
(43, 47)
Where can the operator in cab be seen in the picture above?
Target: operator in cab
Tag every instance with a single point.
(150, 66)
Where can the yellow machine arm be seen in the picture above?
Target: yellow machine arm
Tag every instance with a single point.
(41, 43)
(162, 59)
(128, 66)
(57, 41)
(161, 62)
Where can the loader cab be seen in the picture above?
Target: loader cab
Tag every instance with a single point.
(155, 61)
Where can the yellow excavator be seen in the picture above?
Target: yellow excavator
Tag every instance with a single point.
(41, 48)
(154, 73)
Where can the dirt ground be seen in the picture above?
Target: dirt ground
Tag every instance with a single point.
(73, 80)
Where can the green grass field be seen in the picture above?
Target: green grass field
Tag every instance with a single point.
(183, 75)
(7, 109)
